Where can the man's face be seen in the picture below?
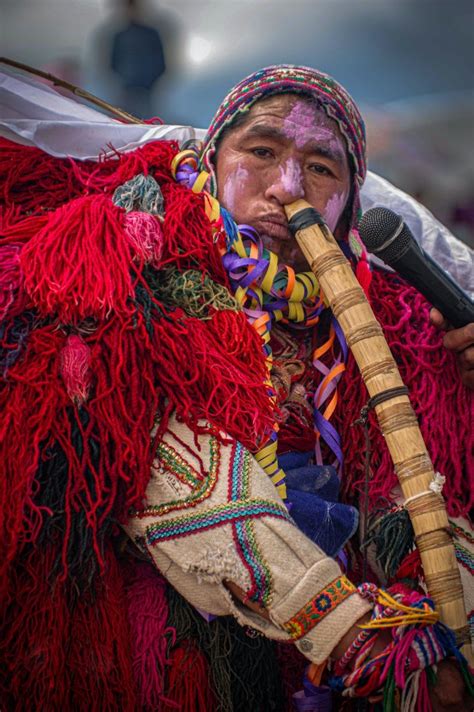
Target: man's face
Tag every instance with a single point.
(286, 149)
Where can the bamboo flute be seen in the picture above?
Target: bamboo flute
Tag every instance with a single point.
(395, 414)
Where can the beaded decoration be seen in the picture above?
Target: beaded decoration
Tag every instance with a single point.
(319, 607)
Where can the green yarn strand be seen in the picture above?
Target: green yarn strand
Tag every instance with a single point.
(195, 292)
(140, 193)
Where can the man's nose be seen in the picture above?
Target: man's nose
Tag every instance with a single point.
(287, 185)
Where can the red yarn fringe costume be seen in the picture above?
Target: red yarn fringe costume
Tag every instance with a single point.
(81, 628)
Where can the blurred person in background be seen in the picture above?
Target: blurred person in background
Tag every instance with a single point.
(138, 60)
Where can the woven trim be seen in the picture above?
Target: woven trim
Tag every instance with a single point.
(172, 462)
(319, 607)
(218, 516)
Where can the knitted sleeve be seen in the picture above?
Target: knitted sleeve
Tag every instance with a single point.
(212, 515)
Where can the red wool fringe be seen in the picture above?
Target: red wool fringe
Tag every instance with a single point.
(432, 378)
(215, 370)
(78, 265)
(34, 181)
(188, 688)
(151, 636)
(188, 234)
(32, 403)
(58, 653)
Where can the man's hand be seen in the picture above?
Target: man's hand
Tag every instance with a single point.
(450, 693)
(461, 341)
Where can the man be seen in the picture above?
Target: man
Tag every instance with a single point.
(213, 522)
(282, 134)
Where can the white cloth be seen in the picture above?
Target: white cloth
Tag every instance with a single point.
(33, 113)
(189, 530)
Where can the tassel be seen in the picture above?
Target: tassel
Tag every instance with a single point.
(78, 265)
(393, 536)
(189, 242)
(142, 193)
(189, 689)
(145, 236)
(151, 635)
(74, 367)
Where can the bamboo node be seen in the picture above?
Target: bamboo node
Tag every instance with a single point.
(383, 367)
(360, 333)
(330, 259)
(397, 417)
(413, 466)
(347, 299)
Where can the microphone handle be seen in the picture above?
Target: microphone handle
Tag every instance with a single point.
(436, 285)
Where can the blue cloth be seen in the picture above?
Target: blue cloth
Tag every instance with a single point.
(313, 492)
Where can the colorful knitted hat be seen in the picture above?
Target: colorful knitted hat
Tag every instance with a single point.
(289, 78)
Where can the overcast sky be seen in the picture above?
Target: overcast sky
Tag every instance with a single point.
(381, 50)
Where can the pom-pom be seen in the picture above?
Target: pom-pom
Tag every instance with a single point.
(78, 264)
(75, 360)
(145, 236)
(140, 193)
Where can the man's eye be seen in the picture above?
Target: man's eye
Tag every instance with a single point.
(262, 152)
(320, 169)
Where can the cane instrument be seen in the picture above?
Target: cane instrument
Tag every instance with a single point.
(395, 414)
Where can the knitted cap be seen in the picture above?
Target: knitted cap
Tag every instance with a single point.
(289, 78)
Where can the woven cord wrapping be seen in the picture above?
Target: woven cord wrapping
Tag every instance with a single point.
(404, 668)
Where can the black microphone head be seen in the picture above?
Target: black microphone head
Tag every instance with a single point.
(383, 232)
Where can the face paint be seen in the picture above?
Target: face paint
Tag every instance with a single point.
(233, 184)
(333, 210)
(291, 178)
(305, 122)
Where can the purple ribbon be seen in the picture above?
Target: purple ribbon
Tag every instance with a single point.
(313, 698)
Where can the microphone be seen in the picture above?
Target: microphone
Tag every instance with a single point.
(384, 233)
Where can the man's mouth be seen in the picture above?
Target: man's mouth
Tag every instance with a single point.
(274, 226)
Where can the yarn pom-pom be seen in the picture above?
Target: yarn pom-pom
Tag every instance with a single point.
(75, 361)
(78, 264)
(145, 236)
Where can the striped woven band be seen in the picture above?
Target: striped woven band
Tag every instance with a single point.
(318, 607)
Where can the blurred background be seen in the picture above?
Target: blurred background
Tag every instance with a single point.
(409, 64)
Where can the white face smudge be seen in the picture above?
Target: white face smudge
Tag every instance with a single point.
(291, 178)
(334, 208)
(305, 123)
(234, 183)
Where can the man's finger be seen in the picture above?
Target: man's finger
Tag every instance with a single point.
(459, 339)
(438, 320)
